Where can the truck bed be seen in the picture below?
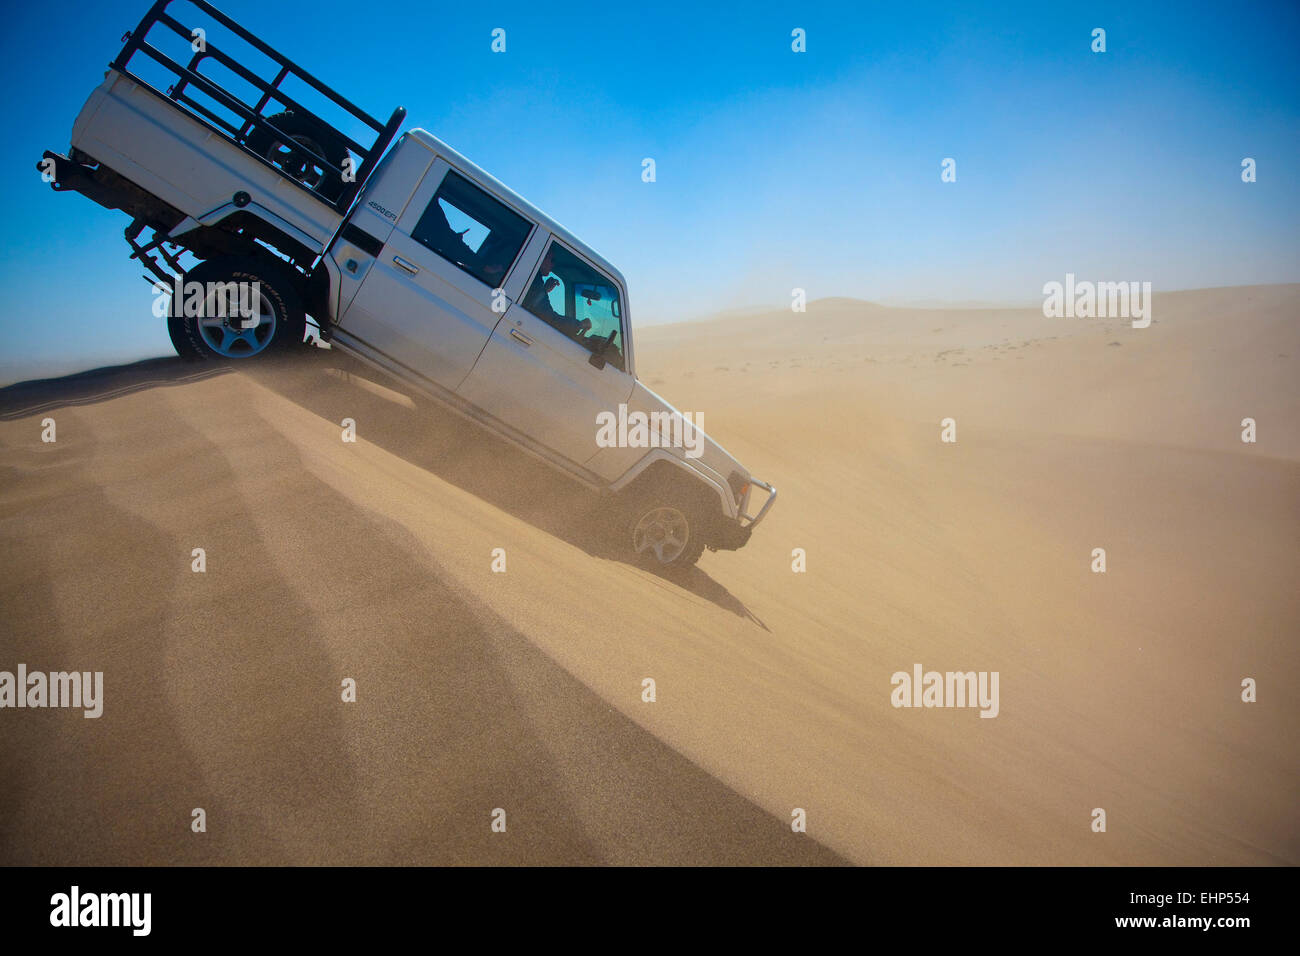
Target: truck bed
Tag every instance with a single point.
(155, 144)
(167, 136)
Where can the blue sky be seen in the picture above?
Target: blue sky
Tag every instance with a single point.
(775, 170)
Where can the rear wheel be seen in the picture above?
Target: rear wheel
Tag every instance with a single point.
(237, 308)
(176, 332)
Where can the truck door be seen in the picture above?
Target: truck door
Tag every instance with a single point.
(537, 371)
(425, 307)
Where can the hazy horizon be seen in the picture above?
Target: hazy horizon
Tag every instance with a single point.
(9, 374)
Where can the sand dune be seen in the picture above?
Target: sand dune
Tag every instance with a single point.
(477, 690)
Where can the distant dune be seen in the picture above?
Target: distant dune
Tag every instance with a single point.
(327, 560)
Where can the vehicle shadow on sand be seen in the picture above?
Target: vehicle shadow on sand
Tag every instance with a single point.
(37, 396)
(430, 436)
(417, 430)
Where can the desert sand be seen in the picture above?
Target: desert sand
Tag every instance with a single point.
(476, 690)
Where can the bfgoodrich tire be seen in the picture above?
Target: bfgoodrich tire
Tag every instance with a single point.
(181, 338)
(236, 309)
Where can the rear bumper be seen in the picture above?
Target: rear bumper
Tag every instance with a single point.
(71, 175)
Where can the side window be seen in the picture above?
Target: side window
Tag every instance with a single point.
(579, 301)
(470, 229)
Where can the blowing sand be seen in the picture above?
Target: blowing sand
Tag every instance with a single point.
(522, 690)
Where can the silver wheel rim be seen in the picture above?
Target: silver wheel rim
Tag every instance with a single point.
(663, 532)
(234, 336)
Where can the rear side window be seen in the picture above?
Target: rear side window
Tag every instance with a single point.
(470, 229)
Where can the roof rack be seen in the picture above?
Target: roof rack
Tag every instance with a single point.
(251, 114)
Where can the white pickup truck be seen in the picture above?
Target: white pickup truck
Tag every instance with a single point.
(410, 258)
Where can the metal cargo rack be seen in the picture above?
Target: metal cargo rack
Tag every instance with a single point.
(252, 114)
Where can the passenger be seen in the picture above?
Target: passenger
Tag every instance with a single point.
(445, 240)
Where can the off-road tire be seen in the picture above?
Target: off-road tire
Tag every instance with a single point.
(207, 340)
(651, 525)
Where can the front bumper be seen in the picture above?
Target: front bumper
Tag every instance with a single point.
(745, 519)
(735, 534)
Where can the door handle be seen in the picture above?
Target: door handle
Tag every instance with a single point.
(520, 338)
(410, 267)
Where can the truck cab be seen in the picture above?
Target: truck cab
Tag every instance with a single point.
(463, 286)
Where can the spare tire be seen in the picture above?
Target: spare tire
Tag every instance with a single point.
(314, 135)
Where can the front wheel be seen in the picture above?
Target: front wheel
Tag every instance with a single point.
(664, 535)
(236, 308)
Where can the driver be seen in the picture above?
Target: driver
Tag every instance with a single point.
(538, 299)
